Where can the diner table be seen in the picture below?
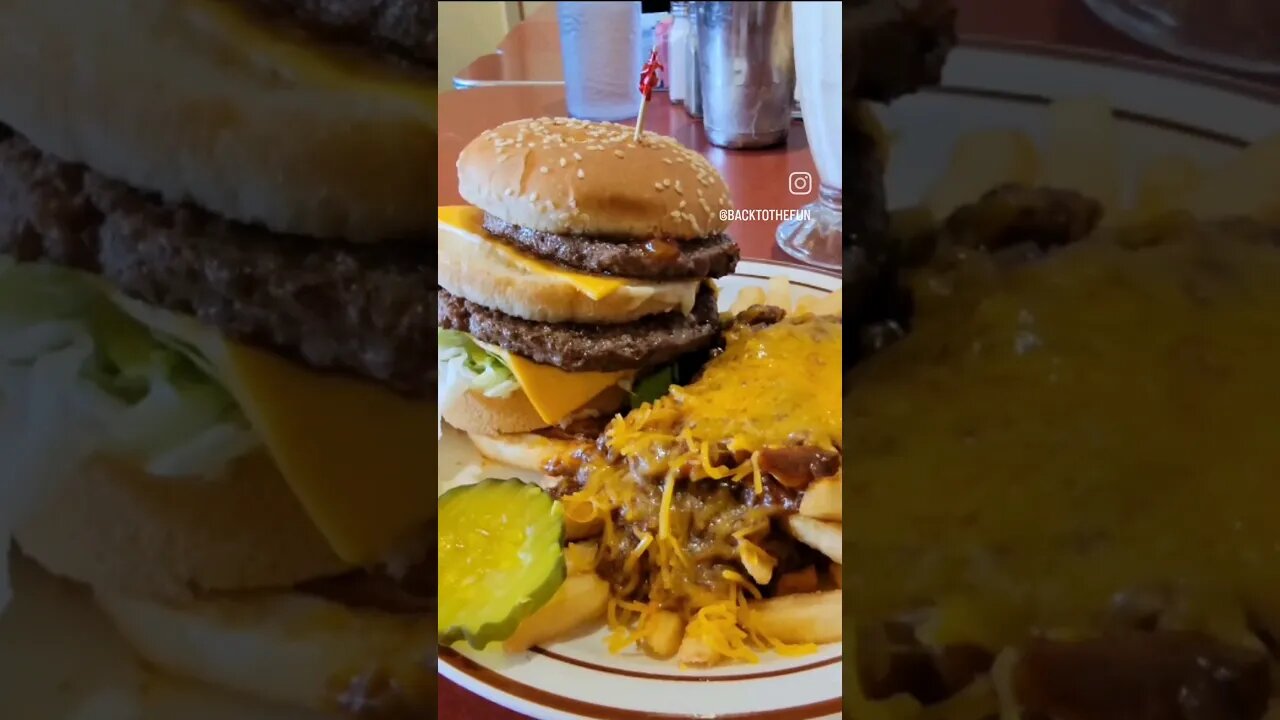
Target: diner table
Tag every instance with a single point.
(524, 78)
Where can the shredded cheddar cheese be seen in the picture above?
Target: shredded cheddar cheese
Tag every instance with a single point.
(773, 387)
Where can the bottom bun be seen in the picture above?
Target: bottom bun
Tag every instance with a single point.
(117, 529)
(472, 412)
(526, 451)
(289, 648)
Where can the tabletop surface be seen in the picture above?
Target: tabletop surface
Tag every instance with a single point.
(530, 56)
(530, 53)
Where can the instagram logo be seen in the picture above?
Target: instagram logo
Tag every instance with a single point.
(800, 183)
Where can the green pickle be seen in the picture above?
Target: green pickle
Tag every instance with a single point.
(501, 558)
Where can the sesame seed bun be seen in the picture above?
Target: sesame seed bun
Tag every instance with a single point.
(575, 177)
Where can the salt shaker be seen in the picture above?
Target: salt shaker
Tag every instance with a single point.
(676, 50)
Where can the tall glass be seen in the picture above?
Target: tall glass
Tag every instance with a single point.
(600, 43)
(815, 236)
(1235, 34)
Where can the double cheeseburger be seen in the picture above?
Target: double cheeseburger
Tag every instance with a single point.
(581, 266)
(216, 281)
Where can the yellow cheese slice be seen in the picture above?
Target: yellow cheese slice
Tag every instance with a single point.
(553, 392)
(360, 458)
(291, 58)
(470, 219)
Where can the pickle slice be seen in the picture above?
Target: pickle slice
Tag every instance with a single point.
(501, 558)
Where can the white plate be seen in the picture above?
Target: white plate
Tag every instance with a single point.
(579, 678)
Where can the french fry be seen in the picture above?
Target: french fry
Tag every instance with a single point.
(580, 600)
(758, 563)
(746, 298)
(578, 530)
(696, 652)
(778, 292)
(981, 161)
(664, 632)
(800, 581)
(580, 558)
(824, 499)
(829, 304)
(825, 537)
(1166, 184)
(804, 618)
(1083, 150)
(1243, 186)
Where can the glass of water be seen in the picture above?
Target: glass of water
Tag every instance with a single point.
(1235, 34)
(600, 43)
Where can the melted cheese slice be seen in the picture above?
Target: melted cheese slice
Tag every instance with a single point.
(470, 220)
(285, 56)
(553, 392)
(358, 457)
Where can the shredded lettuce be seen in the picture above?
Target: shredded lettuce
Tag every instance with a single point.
(80, 379)
(465, 366)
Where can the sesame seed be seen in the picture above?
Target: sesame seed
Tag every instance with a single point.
(508, 192)
(618, 153)
(683, 203)
(581, 174)
(563, 162)
(666, 182)
(543, 170)
(657, 186)
(533, 196)
(679, 190)
(576, 156)
(667, 160)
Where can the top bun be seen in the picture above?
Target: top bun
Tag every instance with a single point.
(574, 177)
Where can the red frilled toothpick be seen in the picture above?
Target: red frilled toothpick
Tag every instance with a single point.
(648, 81)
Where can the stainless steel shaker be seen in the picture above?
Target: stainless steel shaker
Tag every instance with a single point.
(746, 71)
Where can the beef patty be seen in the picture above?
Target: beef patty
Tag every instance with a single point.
(575, 347)
(652, 259)
(359, 309)
(402, 28)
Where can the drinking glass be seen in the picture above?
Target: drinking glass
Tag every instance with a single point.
(814, 237)
(600, 43)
